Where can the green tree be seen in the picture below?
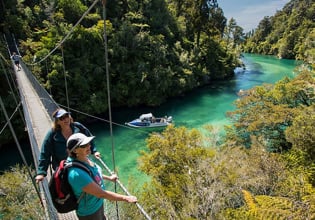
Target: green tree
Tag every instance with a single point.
(71, 9)
(18, 198)
(301, 134)
(267, 111)
(308, 51)
(192, 181)
(285, 33)
(233, 33)
(150, 59)
(172, 157)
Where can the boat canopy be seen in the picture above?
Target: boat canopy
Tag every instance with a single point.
(146, 116)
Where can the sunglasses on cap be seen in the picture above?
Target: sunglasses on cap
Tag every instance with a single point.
(63, 117)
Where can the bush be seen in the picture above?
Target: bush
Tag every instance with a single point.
(18, 197)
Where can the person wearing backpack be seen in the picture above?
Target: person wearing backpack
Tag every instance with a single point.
(54, 148)
(91, 206)
(16, 58)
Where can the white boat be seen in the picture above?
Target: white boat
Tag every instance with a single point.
(149, 121)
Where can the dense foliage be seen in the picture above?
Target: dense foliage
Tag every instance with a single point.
(290, 33)
(10, 99)
(18, 198)
(288, 100)
(263, 170)
(150, 59)
(265, 167)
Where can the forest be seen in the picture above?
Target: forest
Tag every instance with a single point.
(288, 34)
(263, 168)
(167, 57)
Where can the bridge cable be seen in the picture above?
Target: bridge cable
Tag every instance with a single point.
(109, 99)
(107, 74)
(124, 189)
(64, 73)
(21, 152)
(17, 107)
(17, 48)
(110, 116)
(102, 119)
(66, 37)
(12, 80)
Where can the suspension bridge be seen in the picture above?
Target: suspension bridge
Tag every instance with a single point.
(38, 106)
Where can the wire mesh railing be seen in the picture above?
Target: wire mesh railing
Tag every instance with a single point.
(50, 211)
(46, 99)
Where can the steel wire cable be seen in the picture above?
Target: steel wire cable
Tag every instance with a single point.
(109, 100)
(20, 151)
(66, 37)
(14, 92)
(102, 119)
(107, 76)
(6, 124)
(124, 189)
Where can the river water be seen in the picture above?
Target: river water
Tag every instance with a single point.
(203, 106)
(207, 105)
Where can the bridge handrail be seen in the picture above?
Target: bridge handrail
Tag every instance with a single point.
(35, 149)
(46, 99)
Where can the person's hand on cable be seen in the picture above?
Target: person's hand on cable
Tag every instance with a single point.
(113, 177)
(97, 155)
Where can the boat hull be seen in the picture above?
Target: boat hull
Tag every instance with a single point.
(150, 122)
(139, 124)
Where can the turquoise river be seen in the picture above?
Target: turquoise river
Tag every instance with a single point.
(203, 106)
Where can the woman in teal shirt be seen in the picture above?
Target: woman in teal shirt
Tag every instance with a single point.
(91, 204)
(54, 147)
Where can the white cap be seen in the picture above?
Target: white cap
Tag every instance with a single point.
(78, 139)
(60, 113)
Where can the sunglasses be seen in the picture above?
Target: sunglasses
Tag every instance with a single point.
(84, 146)
(63, 117)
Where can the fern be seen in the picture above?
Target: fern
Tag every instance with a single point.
(250, 201)
(272, 208)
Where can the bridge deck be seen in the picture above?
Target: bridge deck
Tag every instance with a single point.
(40, 121)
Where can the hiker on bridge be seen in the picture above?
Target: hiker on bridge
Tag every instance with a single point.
(16, 58)
(54, 148)
(92, 206)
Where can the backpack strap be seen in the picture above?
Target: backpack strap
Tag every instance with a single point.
(82, 166)
(78, 164)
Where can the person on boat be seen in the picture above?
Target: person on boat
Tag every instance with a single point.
(163, 120)
(16, 58)
(91, 206)
(153, 119)
(54, 148)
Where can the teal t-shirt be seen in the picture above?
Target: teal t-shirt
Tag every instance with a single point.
(78, 179)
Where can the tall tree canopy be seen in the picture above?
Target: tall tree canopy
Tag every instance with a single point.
(150, 59)
(284, 33)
